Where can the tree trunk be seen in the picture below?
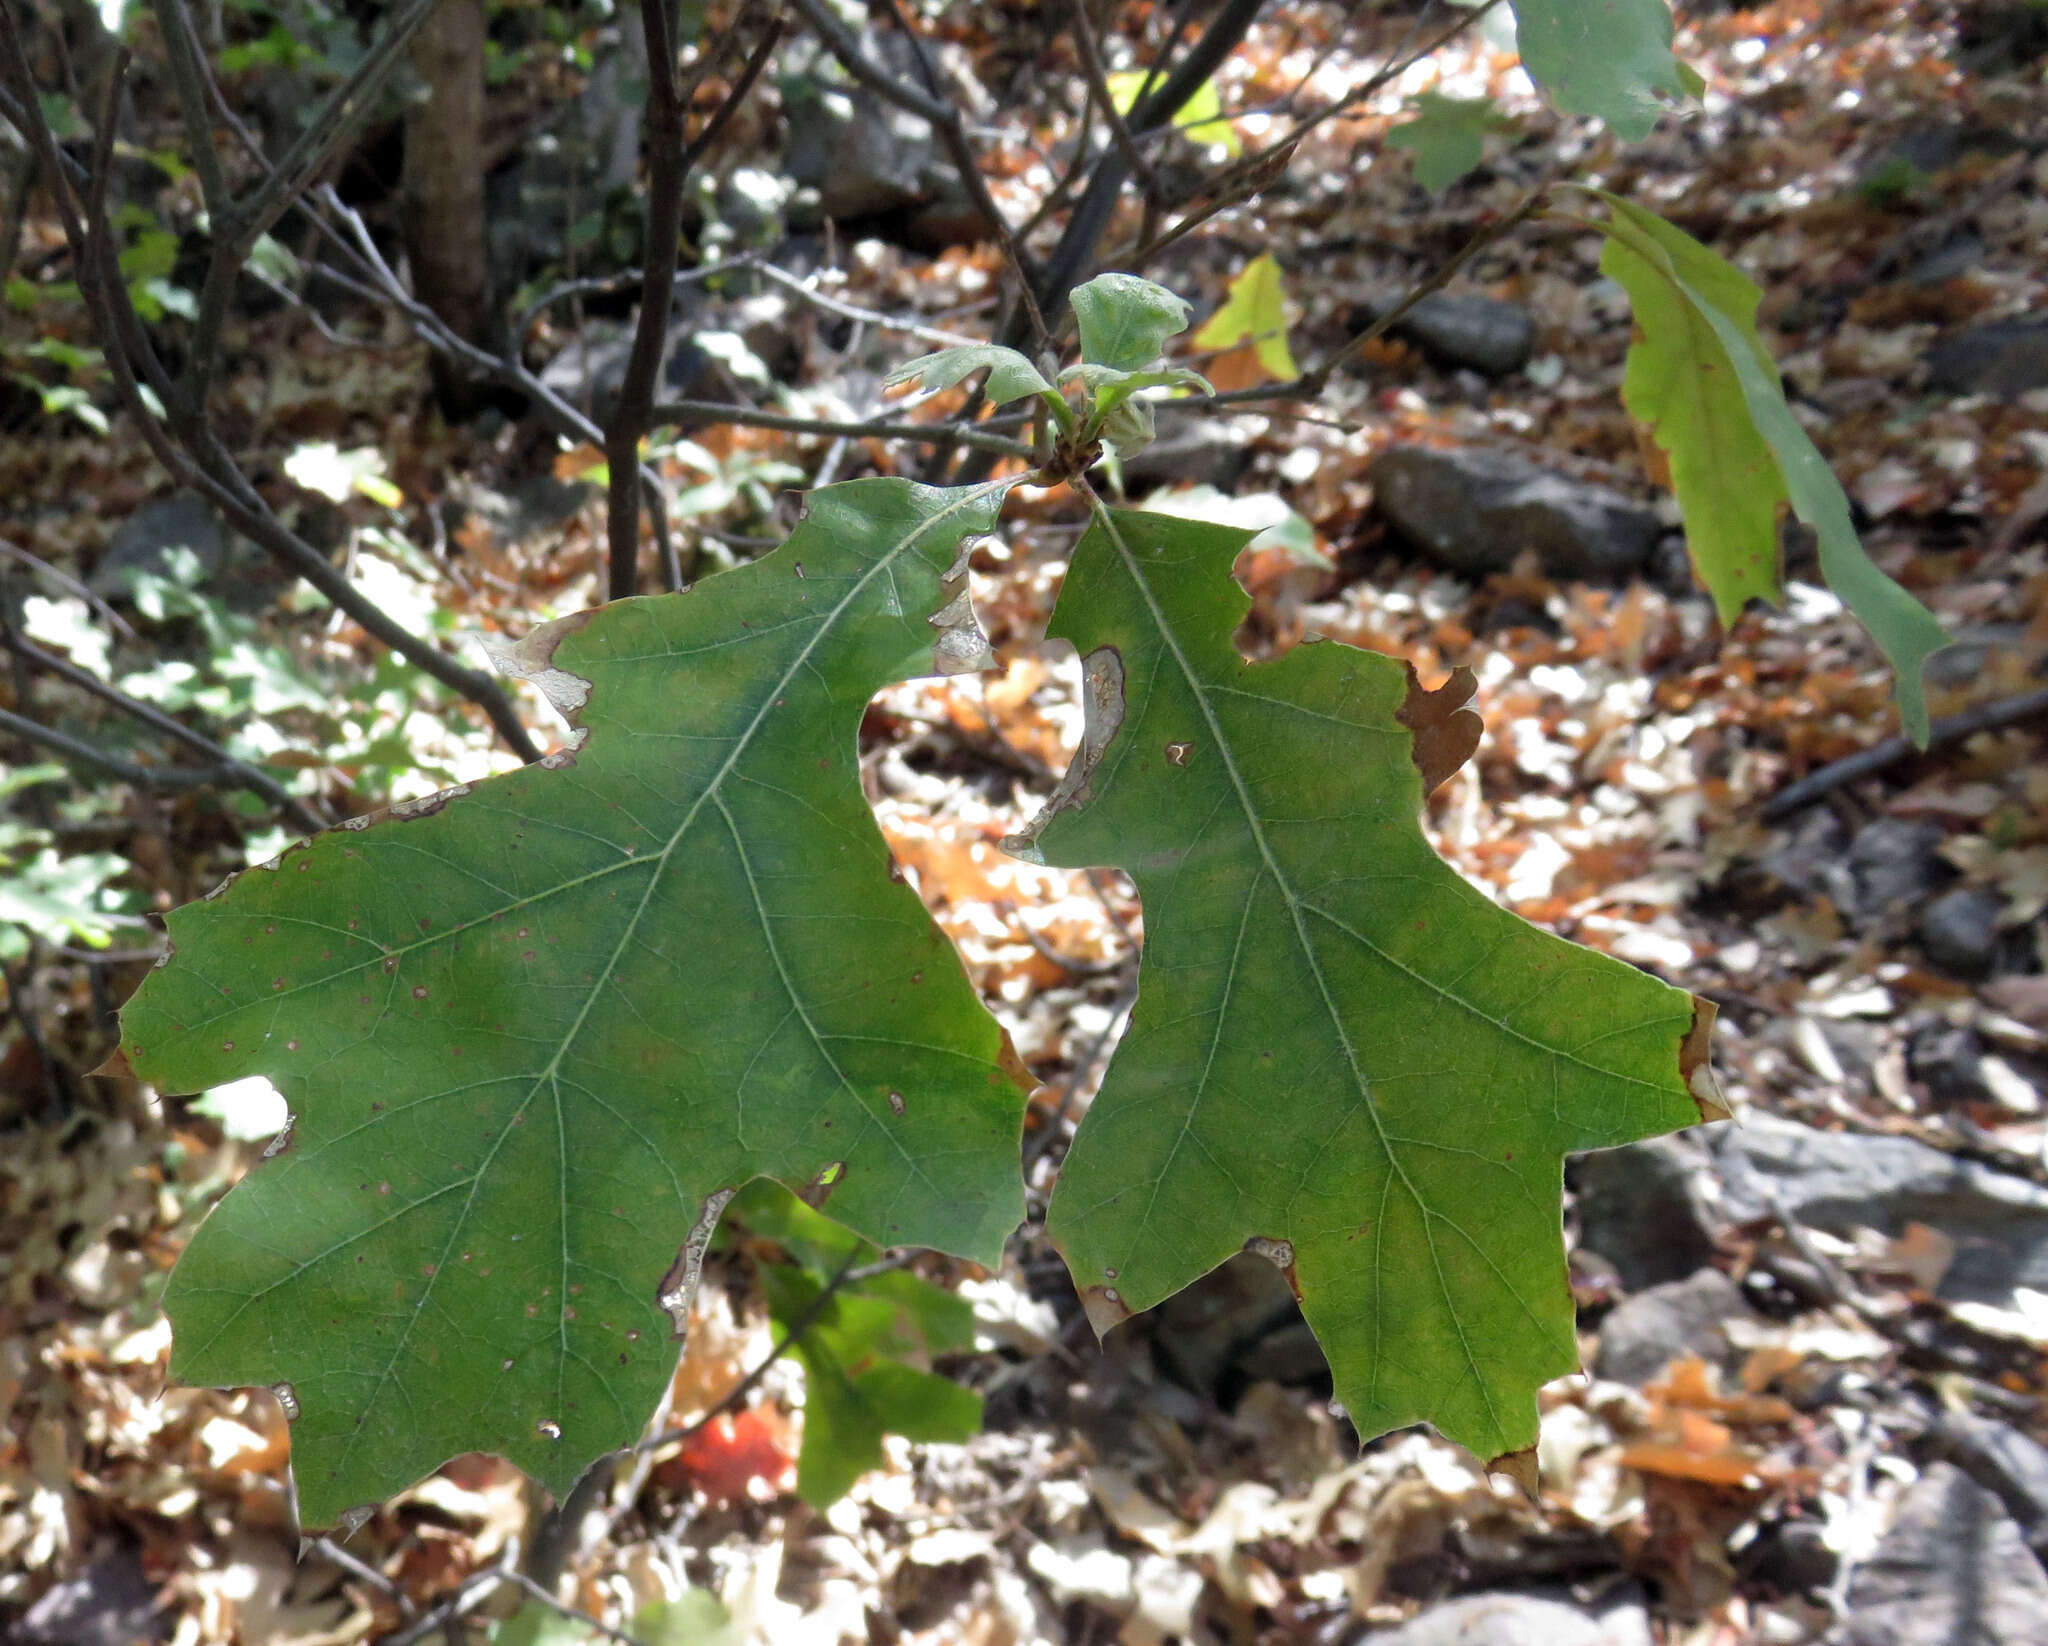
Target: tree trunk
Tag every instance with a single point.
(443, 186)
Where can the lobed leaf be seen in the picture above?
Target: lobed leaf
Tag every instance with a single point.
(532, 1032)
(1447, 136)
(1010, 375)
(1342, 1054)
(1254, 312)
(1700, 379)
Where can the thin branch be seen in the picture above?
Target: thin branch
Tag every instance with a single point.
(197, 459)
(847, 1274)
(114, 619)
(952, 133)
(238, 772)
(1098, 88)
(669, 160)
(931, 434)
(1949, 729)
(1311, 383)
(175, 778)
(520, 1580)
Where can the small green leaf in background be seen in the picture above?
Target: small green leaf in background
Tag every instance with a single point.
(1200, 118)
(529, 1029)
(1010, 375)
(1701, 381)
(1447, 136)
(1254, 312)
(1607, 58)
(696, 1618)
(866, 1355)
(1342, 1055)
(1124, 321)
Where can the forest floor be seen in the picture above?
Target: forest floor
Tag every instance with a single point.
(1819, 1336)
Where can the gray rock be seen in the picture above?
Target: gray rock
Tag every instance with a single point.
(1959, 930)
(1644, 1208)
(2001, 358)
(1897, 860)
(1952, 1571)
(864, 156)
(113, 1602)
(1475, 511)
(144, 541)
(2003, 1461)
(1189, 451)
(1949, 1061)
(1508, 1618)
(1472, 331)
(1682, 1317)
(1840, 1181)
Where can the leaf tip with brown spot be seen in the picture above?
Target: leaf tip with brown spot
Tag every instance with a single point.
(1695, 1065)
(1520, 1467)
(1446, 731)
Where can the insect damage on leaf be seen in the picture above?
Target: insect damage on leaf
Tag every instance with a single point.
(1340, 1049)
(531, 1035)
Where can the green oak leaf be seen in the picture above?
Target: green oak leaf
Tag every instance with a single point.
(1010, 375)
(858, 1386)
(1701, 381)
(1447, 136)
(1254, 312)
(532, 1031)
(1607, 58)
(1342, 1055)
(1124, 321)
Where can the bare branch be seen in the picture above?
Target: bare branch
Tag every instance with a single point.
(1098, 88)
(669, 160)
(952, 132)
(931, 434)
(237, 772)
(1948, 729)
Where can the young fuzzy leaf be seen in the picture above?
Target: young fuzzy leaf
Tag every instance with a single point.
(531, 1032)
(1607, 58)
(1342, 1055)
(1125, 321)
(1254, 312)
(1010, 375)
(1700, 380)
(1447, 136)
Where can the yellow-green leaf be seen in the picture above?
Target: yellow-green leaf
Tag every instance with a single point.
(1254, 311)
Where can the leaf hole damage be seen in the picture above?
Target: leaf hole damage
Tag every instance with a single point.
(678, 1288)
(819, 1190)
(549, 1428)
(288, 1399)
(896, 1105)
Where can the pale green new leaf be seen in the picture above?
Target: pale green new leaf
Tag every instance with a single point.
(1607, 58)
(1254, 312)
(1010, 375)
(530, 1031)
(1342, 1054)
(1700, 379)
(1125, 321)
(1447, 136)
